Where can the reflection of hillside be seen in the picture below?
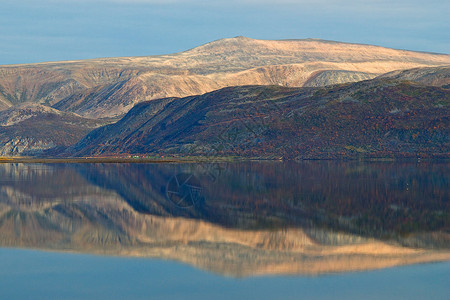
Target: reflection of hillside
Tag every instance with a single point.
(42, 183)
(76, 215)
(372, 199)
(106, 225)
(141, 185)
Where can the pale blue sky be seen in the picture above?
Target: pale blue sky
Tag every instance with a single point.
(49, 30)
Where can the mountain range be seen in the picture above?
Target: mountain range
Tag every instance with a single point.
(69, 99)
(371, 119)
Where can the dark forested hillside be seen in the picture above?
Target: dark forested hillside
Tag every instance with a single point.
(374, 118)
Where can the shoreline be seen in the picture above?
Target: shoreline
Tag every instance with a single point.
(200, 160)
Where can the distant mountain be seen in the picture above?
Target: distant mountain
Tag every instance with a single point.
(374, 118)
(110, 87)
(30, 129)
(435, 76)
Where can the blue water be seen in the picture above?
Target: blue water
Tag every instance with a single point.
(29, 274)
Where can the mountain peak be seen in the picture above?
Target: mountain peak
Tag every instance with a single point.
(225, 42)
(241, 37)
(110, 87)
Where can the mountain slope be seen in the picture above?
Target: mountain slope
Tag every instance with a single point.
(375, 118)
(111, 86)
(435, 76)
(32, 128)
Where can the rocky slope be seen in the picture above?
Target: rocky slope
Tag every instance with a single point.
(112, 86)
(30, 129)
(435, 76)
(375, 118)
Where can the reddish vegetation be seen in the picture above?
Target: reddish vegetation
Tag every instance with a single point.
(377, 118)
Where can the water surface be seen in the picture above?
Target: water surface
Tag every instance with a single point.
(281, 221)
(26, 274)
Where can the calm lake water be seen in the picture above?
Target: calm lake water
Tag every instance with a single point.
(254, 230)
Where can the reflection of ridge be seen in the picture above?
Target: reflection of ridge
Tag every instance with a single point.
(107, 225)
(42, 183)
(382, 200)
(143, 186)
(184, 190)
(251, 221)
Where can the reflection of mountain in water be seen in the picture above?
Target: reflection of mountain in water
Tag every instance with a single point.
(248, 218)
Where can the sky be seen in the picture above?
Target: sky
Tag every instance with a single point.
(54, 30)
